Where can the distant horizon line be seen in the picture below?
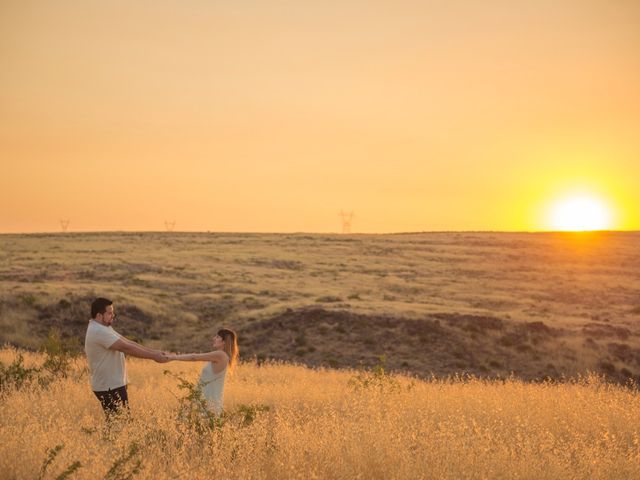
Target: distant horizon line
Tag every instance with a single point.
(85, 232)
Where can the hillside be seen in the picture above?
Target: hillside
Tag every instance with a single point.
(489, 304)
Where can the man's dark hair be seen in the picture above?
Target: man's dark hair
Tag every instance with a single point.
(99, 305)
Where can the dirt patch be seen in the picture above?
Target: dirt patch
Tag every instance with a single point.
(69, 316)
(624, 353)
(604, 330)
(474, 323)
(320, 337)
(217, 308)
(441, 344)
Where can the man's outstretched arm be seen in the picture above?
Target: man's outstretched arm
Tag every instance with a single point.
(135, 350)
(150, 350)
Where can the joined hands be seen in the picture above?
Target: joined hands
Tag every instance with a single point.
(163, 357)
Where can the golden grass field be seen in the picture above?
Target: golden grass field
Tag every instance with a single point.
(529, 316)
(322, 424)
(536, 305)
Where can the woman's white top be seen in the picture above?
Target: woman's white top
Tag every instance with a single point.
(213, 387)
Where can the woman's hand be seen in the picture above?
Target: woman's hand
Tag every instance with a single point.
(170, 356)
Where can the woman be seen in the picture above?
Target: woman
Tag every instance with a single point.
(223, 357)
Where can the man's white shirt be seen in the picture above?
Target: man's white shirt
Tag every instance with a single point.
(108, 370)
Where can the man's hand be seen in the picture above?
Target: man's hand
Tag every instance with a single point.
(161, 357)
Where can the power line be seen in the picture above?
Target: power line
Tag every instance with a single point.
(346, 221)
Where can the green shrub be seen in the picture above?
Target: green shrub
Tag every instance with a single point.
(328, 299)
(52, 453)
(246, 414)
(377, 377)
(194, 413)
(16, 375)
(193, 410)
(59, 356)
(127, 465)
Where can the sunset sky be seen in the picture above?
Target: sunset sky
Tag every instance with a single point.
(273, 116)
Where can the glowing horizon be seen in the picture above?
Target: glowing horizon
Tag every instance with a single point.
(260, 117)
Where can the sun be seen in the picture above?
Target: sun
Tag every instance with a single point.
(580, 213)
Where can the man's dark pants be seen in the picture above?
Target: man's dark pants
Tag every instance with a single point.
(114, 400)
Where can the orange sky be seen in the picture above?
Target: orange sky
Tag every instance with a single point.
(274, 116)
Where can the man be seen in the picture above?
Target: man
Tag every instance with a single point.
(105, 350)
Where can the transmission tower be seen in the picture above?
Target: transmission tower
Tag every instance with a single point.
(346, 221)
(64, 224)
(169, 225)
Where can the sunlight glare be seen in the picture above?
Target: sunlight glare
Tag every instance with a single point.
(580, 213)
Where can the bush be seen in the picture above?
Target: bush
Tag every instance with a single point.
(57, 364)
(59, 354)
(377, 377)
(51, 456)
(16, 375)
(328, 299)
(194, 413)
(127, 465)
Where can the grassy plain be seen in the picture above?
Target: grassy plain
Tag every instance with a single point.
(323, 423)
(490, 304)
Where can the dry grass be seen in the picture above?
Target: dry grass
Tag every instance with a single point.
(320, 426)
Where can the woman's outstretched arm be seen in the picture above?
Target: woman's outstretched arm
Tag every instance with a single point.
(196, 357)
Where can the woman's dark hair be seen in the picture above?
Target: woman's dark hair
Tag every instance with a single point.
(230, 340)
(99, 305)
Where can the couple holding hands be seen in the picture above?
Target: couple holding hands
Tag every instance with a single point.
(106, 348)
